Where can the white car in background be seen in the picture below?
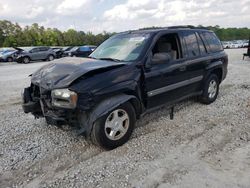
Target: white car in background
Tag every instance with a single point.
(226, 44)
(245, 44)
(236, 44)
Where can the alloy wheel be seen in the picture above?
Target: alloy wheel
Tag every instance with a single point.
(116, 124)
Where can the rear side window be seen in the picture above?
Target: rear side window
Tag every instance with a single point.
(191, 44)
(201, 45)
(212, 41)
(44, 49)
(34, 50)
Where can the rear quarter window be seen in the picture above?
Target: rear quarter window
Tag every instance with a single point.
(214, 44)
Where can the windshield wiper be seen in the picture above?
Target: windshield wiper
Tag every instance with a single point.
(110, 59)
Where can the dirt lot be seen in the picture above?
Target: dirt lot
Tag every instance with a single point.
(204, 146)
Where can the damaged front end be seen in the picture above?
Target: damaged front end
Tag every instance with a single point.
(56, 95)
(57, 106)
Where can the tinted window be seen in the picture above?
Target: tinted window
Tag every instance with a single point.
(201, 45)
(213, 42)
(192, 44)
(84, 49)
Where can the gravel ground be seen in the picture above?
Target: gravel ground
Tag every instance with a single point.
(204, 146)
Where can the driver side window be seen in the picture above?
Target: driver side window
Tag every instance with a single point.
(167, 47)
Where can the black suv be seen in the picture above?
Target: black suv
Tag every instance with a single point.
(80, 51)
(127, 76)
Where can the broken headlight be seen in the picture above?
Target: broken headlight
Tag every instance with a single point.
(64, 98)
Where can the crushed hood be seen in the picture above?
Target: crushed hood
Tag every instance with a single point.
(61, 73)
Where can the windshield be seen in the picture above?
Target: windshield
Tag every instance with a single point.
(6, 50)
(124, 47)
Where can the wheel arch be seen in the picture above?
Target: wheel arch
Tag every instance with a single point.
(51, 55)
(218, 71)
(215, 68)
(105, 106)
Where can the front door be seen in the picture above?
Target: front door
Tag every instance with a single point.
(166, 82)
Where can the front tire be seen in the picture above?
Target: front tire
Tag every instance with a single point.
(210, 89)
(115, 128)
(26, 60)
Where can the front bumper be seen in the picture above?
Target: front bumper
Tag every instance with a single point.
(31, 107)
(39, 108)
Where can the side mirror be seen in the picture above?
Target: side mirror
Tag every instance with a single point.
(160, 58)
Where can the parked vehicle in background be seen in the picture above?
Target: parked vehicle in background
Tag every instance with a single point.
(80, 51)
(27, 54)
(245, 44)
(67, 48)
(6, 49)
(236, 44)
(8, 55)
(128, 75)
(226, 44)
(58, 51)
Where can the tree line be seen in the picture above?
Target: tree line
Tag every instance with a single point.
(227, 34)
(12, 34)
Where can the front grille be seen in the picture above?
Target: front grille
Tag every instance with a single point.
(35, 91)
(42, 94)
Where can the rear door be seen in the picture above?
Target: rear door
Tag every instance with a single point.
(196, 57)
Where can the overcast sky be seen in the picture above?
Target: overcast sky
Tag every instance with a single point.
(120, 15)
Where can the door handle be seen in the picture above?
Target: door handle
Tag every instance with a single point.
(183, 68)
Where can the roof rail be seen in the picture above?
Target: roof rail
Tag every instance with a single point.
(186, 27)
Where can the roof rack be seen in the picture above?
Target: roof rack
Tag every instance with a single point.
(185, 27)
(174, 27)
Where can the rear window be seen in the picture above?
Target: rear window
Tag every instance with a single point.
(192, 44)
(212, 41)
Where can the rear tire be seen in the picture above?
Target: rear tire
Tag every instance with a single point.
(9, 59)
(115, 128)
(210, 90)
(51, 58)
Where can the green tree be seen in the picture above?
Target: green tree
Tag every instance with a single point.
(11, 34)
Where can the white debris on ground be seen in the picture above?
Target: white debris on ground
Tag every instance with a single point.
(204, 146)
